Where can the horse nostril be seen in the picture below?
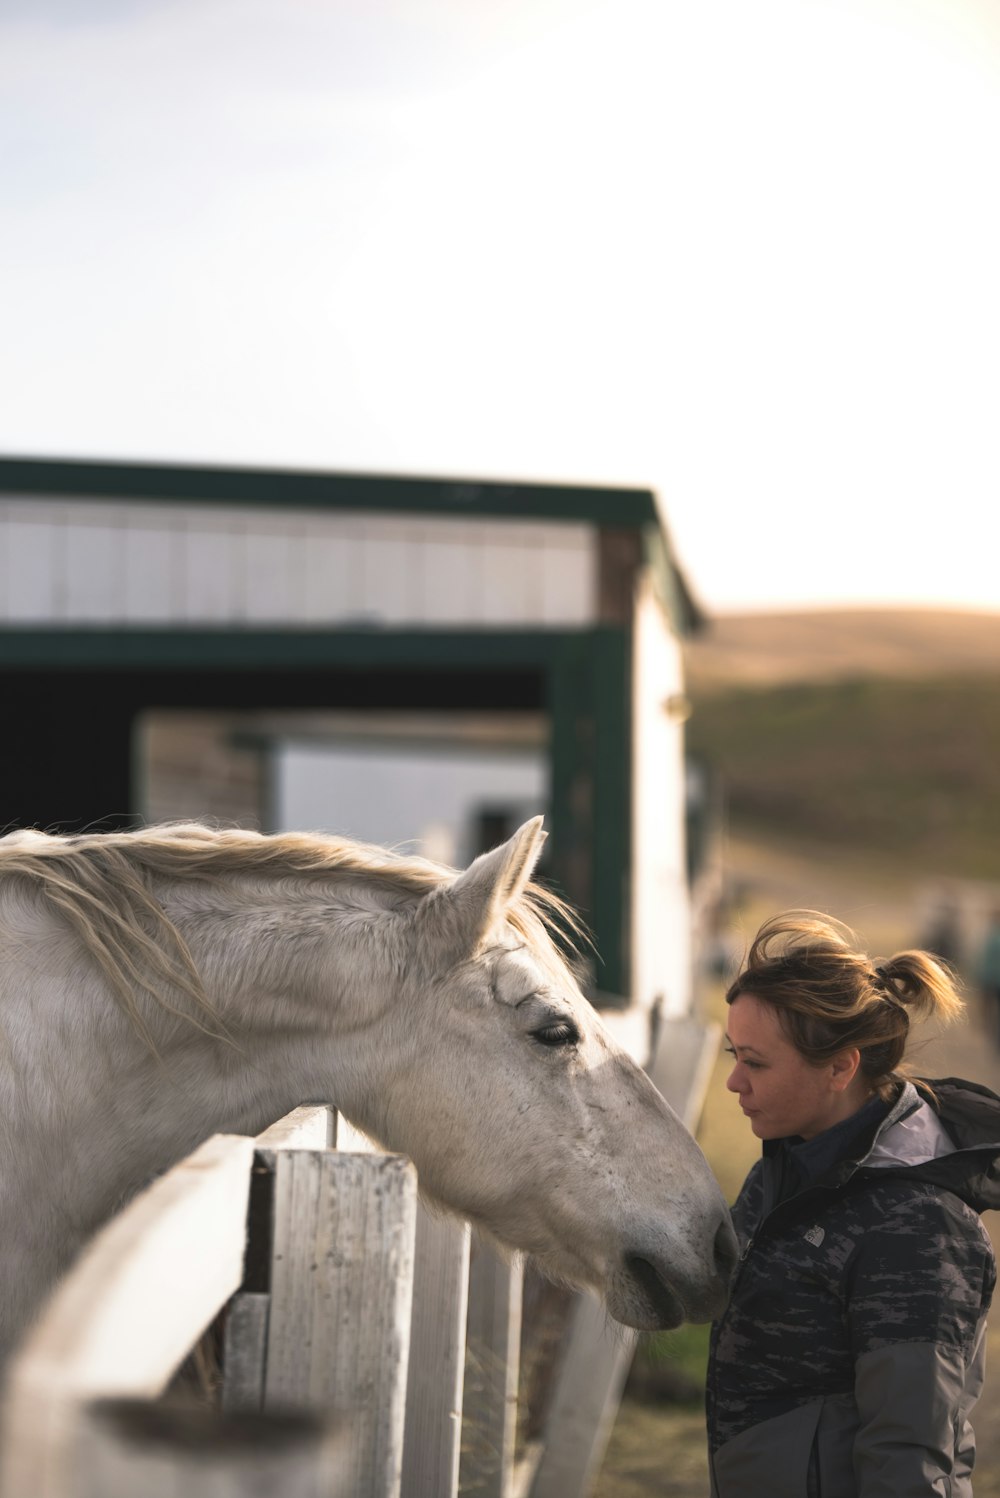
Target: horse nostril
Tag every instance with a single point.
(726, 1249)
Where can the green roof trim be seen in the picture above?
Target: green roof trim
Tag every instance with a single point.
(315, 490)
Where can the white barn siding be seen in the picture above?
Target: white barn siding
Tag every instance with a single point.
(661, 921)
(122, 563)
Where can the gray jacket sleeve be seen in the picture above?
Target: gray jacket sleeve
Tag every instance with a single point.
(913, 1434)
(916, 1316)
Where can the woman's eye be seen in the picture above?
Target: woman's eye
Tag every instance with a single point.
(560, 1033)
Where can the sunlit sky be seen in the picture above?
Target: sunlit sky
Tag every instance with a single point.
(743, 254)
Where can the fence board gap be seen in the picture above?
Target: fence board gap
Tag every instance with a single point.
(245, 1353)
(433, 1426)
(489, 1416)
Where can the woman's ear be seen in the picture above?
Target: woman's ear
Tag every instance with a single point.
(844, 1068)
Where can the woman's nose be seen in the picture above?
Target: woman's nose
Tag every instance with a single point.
(733, 1081)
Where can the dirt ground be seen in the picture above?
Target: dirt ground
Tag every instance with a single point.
(660, 1449)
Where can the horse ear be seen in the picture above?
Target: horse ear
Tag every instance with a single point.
(473, 903)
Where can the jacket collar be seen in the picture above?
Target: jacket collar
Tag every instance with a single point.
(949, 1138)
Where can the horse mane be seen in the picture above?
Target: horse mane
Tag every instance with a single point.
(101, 883)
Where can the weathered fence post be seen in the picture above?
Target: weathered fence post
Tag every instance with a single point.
(320, 1330)
(433, 1432)
(247, 1316)
(341, 1292)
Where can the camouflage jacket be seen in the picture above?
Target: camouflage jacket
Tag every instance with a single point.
(851, 1352)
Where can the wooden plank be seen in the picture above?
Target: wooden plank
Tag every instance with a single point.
(489, 1415)
(597, 1354)
(123, 1319)
(95, 555)
(210, 556)
(245, 1348)
(310, 1128)
(151, 545)
(351, 1140)
(525, 1468)
(245, 1354)
(271, 583)
(341, 1293)
(681, 1068)
(433, 1422)
(433, 1425)
(137, 1450)
(36, 575)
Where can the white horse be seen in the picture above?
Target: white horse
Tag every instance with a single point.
(159, 986)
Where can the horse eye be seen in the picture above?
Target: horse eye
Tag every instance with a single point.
(561, 1033)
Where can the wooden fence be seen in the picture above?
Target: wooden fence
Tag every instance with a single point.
(366, 1348)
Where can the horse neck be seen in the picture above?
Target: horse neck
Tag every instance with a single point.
(298, 985)
(90, 1111)
(310, 940)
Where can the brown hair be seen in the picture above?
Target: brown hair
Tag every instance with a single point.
(830, 996)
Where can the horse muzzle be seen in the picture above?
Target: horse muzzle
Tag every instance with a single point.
(651, 1291)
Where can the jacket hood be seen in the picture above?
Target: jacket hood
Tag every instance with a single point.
(946, 1132)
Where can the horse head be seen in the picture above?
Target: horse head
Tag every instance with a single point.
(522, 1113)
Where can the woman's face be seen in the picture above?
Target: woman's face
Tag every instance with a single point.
(779, 1090)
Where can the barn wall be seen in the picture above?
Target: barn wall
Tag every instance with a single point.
(661, 929)
(141, 563)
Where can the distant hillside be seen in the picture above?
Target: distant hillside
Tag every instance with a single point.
(872, 729)
(841, 644)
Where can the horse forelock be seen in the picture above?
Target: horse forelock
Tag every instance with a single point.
(102, 884)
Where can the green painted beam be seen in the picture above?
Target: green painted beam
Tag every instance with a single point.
(612, 834)
(591, 755)
(253, 649)
(316, 490)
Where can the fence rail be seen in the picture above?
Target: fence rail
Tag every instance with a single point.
(366, 1350)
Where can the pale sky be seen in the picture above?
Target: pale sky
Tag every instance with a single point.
(745, 254)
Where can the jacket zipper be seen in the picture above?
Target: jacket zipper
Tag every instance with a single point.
(745, 1254)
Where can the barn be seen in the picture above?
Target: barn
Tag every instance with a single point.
(183, 640)
(401, 660)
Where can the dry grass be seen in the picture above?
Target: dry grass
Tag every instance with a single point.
(765, 650)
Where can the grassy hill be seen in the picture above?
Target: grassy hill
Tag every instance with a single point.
(874, 729)
(764, 650)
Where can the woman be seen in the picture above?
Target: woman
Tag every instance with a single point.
(851, 1353)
